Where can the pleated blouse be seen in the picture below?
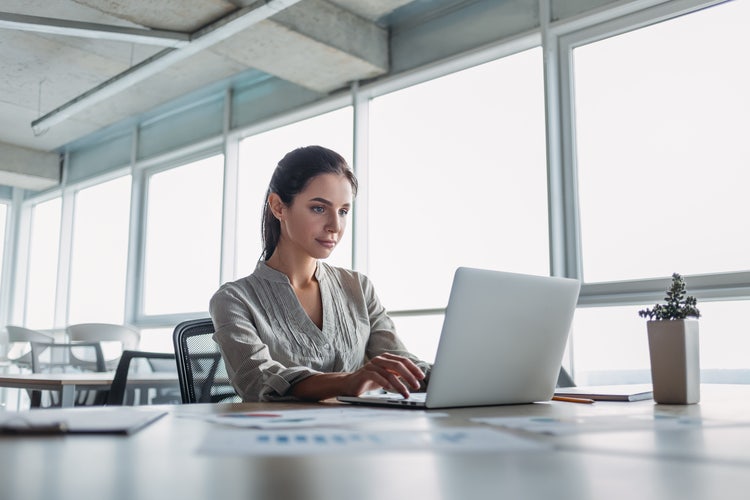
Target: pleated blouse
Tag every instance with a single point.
(269, 342)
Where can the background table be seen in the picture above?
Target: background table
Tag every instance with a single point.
(67, 383)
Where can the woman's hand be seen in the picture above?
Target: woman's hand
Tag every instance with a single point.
(387, 371)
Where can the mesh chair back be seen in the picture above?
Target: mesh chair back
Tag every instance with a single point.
(200, 367)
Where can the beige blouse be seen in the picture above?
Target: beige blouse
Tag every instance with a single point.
(269, 342)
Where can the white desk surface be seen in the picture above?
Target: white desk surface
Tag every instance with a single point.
(162, 461)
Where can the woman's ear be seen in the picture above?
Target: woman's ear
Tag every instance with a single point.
(277, 206)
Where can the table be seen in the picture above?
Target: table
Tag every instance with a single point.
(162, 460)
(67, 383)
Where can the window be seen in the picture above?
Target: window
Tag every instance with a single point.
(610, 344)
(43, 257)
(662, 156)
(258, 157)
(478, 136)
(100, 253)
(457, 178)
(183, 237)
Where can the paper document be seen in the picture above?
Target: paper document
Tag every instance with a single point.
(226, 441)
(318, 417)
(606, 423)
(101, 420)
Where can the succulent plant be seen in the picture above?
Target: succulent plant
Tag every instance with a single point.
(677, 304)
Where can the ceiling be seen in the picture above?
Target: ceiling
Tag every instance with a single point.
(71, 67)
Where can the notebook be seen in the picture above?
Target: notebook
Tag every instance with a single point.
(502, 342)
(628, 392)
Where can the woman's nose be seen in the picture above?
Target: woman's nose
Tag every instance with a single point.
(334, 225)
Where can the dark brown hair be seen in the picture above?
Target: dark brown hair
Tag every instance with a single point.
(291, 176)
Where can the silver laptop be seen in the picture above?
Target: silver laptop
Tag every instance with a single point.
(503, 339)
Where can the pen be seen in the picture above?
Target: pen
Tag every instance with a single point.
(572, 400)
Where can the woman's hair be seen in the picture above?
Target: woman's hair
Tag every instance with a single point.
(291, 176)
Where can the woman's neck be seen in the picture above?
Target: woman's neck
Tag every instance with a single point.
(299, 269)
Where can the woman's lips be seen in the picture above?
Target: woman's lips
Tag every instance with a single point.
(327, 243)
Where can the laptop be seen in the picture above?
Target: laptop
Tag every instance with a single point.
(502, 342)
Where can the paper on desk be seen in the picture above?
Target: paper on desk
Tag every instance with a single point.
(227, 441)
(317, 417)
(608, 423)
(108, 420)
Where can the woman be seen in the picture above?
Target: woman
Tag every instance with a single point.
(298, 328)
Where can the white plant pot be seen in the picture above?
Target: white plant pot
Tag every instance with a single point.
(675, 361)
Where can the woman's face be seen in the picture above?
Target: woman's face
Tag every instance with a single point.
(315, 221)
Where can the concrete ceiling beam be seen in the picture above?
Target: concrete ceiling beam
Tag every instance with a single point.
(215, 33)
(315, 44)
(28, 168)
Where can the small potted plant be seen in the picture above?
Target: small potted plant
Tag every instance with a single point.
(673, 346)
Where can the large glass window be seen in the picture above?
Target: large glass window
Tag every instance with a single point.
(610, 344)
(100, 253)
(458, 178)
(662, 150)
(43, 256)
(183, 237)
(258, 157)
(660, 120)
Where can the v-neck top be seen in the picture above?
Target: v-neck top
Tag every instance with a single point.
(269, 343)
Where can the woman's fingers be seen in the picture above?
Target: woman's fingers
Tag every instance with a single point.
(393, 372)
(389, 371)
(400, 367)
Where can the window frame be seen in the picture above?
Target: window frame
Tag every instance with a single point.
(8, 257)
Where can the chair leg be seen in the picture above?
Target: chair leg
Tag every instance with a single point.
(100, 398)
(36, 398)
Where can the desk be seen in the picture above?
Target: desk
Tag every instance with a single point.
(67, 383)
(161, 461)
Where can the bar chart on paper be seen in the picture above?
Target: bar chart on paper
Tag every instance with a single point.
(222, 441)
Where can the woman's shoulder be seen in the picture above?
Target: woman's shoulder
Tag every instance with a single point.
(239, 287)
(340, 272)
(346, 276)
(233, 289)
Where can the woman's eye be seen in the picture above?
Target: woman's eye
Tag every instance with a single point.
(319, 209)
(343, 212)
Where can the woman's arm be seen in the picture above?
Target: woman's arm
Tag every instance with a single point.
(387, 371)
(383, 337)
(255, 373)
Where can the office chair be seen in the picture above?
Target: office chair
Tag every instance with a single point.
(118, 391)
(104, 332)
(21, 335)
(564, 379)
(200, 367)
(60, 357)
